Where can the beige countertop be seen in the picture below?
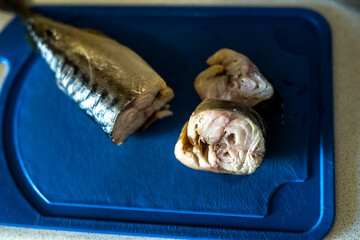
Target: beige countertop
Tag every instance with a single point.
(344, 19)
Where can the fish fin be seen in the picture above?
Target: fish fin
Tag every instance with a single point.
(58, 83)
(32, 42)
(93, 31)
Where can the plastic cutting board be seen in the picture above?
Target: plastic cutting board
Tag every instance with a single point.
(59, 170)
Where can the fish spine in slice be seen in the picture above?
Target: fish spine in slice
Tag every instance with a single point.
(222, 137)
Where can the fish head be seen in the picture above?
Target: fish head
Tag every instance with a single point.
(46, 30)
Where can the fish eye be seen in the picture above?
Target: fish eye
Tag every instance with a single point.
(51, 33)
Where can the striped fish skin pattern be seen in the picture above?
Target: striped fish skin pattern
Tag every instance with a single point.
(102, 76)
(98, 105)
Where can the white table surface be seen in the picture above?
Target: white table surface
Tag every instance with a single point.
(344, 19)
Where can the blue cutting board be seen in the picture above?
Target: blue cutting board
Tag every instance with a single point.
(59, 170)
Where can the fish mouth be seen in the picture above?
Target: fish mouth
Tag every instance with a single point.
(136, 113)
(221, 142)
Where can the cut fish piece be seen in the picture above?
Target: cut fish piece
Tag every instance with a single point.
(222, 137)
(233, 77)
(109, 81)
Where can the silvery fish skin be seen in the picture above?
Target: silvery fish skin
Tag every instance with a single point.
(233, 77)
(109, 81)
(222, 137)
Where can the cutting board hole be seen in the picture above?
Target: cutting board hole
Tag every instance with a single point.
(4, 70)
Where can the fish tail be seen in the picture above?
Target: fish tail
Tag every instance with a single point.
(17, 6)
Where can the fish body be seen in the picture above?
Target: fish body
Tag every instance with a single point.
(222, 137)
(109, 81)
(233, 77)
